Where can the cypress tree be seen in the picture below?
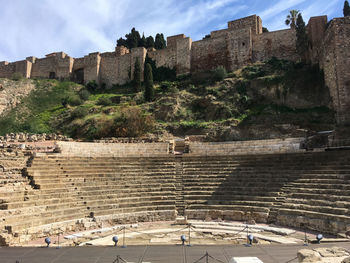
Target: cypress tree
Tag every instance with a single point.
(302, 38)
(346, 9)
(142, 42)
(133, 38)
(160, 42)
(137, 76)
(149, 89)
(122, 42)
(150, 42)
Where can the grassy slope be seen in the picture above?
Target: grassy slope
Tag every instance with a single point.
(36, 111)
(228, 109)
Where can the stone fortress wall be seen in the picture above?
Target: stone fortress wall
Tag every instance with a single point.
(243, 42)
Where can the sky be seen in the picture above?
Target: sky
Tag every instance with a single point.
(78, 27)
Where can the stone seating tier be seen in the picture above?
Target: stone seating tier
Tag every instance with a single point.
(287, 189)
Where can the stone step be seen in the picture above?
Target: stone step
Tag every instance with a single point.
(211, 192)
(125, 193)
(23, 226)
(222, 196)
(342, 186)
(320, 209)
(316, 191)
(220, 202)
(111, 211)
(317, 196)
(322, 202)
(314, 215)
(228, 207)
(38, 215)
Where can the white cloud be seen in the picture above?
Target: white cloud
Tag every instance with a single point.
(281, 6)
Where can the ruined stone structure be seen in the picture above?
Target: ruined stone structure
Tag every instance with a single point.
(243, 42)
(88, 184)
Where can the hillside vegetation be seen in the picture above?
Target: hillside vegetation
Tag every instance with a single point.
(264, 100)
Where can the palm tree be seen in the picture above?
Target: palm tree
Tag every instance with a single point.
(292, 18)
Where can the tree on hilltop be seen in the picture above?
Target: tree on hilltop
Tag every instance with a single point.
(149, 89)
(302, 44)
(133, 39)
(292, 18)
(346, 9)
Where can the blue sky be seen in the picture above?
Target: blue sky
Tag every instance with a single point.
(79, 27)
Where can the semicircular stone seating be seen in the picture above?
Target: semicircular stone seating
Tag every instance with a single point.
(60, 193)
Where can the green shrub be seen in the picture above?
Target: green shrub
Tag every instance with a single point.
(167, 86)
(104, 101)
(74, 101)
(133, 122)
(253, 72)
(17, 76)
(84, 94)
(161, 73)
(219, 73)
(92, 86)
(241, 87)
(79, 112)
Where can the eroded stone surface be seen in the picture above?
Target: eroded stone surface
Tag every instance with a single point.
(323, 255)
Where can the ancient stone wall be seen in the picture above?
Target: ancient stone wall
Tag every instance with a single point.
(316, 29)
(279, 44)
(92, 67)
(336, 65)
(183, 55)
(7, 69)
(113, 149)
(208, 53)
(253, 22)
(245, 147)
(109, 68)
(239, 47)
(164, 57)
